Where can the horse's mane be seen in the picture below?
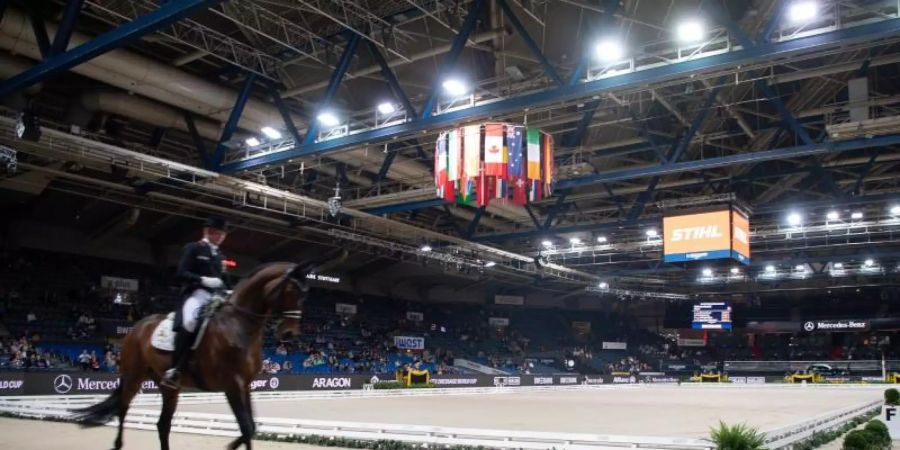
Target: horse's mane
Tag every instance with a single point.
(255, 272)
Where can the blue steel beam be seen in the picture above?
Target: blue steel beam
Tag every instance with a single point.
(40, 31)
(766, 35)
(336, 77)
(606, 21)
(537, 223)
(789, 120)
(386, 164)
(284, 111)
(196, 139)
(391, 79)
(66, 27)
(473, 225)
(740, 158)
(535, 49)
(576, 136)
(557, 207)
(586, 89)
(459, 43)
(721, 16)
(403, 207)
(232, 123)
(167, 14)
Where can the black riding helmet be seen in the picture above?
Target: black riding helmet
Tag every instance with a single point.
(217, 223)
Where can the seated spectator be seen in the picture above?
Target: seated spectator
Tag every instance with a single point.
(31, 317)
(85, 360)
(287, 367)
(281, 350)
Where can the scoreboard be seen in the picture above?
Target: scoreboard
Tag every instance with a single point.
(712, 316)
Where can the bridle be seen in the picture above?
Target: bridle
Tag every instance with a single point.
(280, 291)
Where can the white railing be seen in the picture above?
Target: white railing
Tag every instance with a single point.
(786, 437)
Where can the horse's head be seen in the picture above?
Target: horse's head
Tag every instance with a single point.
(284, 296)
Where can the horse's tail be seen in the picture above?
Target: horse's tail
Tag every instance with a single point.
(99, 414)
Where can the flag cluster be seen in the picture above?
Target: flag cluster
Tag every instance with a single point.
(477, 163)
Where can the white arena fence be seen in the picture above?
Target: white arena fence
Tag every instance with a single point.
(58, 406)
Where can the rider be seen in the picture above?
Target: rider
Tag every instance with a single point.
(201, 269)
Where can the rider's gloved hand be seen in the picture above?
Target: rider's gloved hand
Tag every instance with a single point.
(212, 282)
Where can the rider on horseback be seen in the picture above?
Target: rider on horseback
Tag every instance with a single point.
(201, 269)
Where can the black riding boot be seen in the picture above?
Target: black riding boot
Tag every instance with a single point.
(180, 357)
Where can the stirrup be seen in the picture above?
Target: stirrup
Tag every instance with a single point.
(170, 379)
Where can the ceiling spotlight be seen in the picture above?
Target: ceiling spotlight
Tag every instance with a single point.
(547, 243)
(735, 271)
(707, 272)
(455, 87)
(895, 210)
(857, 215)
(838, 265)
(690, 31)
(425, 248)
(328, 119)
(601, 239)
(271, 133)
(652, 233)
(574, 241)
(386, 108)
(794, 219)
(802, 11)
(800, 268)
(603, 285)
(869, 263)
(252, 142)
(832, 215)
(490, 264)
(609, 51)
(770, 269)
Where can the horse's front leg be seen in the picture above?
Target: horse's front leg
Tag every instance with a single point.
(239, 399)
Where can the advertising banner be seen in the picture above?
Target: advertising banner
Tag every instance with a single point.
(514, 300)
(415, 316)
(498, 321)
(119, 284)
(615, 345)
(344, 308)
(409, 342)
(695, 237)
(835, 325)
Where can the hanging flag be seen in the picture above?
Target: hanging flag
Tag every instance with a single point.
(440, 164)
(471, 161)
(493, 150)
(453, 165)
(547, 159)
(534, 154)
(482, 189)
(516, 168)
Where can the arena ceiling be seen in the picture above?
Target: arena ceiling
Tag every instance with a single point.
(758, 112)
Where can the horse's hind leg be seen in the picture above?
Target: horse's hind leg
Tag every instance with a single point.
(170, 402)
(130, 388)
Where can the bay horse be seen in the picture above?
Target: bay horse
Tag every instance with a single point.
(226, 359)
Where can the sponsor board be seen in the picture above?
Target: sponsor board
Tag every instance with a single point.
(454, 381)
(344, 308)
(615, 345)
(568, 380)
(872, 379)
(624, 380)
(498, 321)
(659, 379)
(693, 237)
(540, 381)
(507, 381)
(332, 383)
(514, 300)
(415, 316)
(835, 325)
(409, 342)
(593, 380)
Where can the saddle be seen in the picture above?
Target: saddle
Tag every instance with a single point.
(163, 337)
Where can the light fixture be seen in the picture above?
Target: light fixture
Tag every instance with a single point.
(271, 133)
(895, 210)
(609, 50)
(794, 219)
(490, 264)
(252, 141)
(802, 11)
(735, 271)
(652, 233)
(328, 119)
(574, 240)
(707, 272)
(856, 215)
(770, 269)
(869, 263)
(800, 268)
(832, 215)
(838, 265)
(547, 243)
(603, 285)
(386, 108)
(690, 31)
(425, 248)
(454, 87)
(601, 239)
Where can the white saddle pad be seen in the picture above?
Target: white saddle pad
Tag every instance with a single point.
(163, 337)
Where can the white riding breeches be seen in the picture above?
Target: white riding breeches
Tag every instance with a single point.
(191, 309)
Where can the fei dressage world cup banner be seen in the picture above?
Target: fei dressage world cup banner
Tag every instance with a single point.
(707, 235)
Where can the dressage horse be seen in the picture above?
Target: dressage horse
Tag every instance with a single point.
(226, 360)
